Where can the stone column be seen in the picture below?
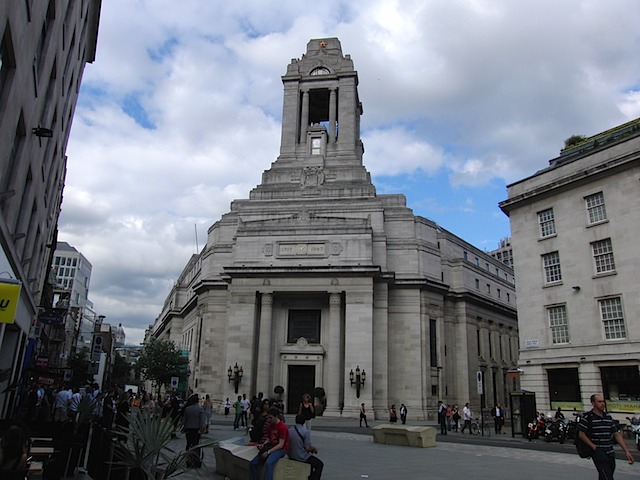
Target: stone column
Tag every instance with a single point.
(334, 371)
(263, 383)
(304, 117)
(332, 115)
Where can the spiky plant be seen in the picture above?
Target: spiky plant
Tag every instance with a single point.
(147, 447)
(86, 411)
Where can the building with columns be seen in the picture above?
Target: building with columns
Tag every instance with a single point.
(316, 275)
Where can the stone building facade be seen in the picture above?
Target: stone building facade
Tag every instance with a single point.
(315, 275)
(574, 229)
(44, 47)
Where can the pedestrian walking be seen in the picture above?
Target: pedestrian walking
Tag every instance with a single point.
(246, 408)
(237, 407)
(403, 413)
(363, 415)
(442, 417)
(467, 415)
(455, 416)
(498, 417)
(597, 429)
(307, 410)
(393, 415)
(193, 426)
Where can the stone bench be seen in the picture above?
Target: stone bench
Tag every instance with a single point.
(232, 460)
(413, 436)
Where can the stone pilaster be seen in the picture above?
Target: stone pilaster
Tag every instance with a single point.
(332, 114)
(263, 379)
(358, 348)
(304, 117)
(334, 360)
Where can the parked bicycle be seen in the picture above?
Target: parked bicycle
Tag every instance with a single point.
(482, 426)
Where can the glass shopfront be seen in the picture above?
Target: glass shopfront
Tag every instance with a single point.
(621, 386)
(564, 388)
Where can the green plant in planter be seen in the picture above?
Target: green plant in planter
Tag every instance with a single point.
(146, 449)
(320, 394)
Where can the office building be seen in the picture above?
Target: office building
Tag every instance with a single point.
(574, 229)
(44, 47)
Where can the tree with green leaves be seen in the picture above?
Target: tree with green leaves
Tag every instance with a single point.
(161, 360)
(80, 364)
(121, 372)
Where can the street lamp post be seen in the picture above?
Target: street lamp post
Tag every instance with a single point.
(357, 379)
(235, 375)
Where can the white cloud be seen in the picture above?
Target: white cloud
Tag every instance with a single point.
(475, 91)
(395, 151)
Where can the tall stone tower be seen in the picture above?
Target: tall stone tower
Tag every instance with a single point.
(320, 148)
(316, 276)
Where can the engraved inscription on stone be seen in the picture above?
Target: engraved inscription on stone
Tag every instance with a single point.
(302, 249)
(285, 249)
(316, 249)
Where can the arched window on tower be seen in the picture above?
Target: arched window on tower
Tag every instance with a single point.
(320, 71)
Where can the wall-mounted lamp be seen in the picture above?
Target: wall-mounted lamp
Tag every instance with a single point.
(42, 132)
(357, 379)
(235, 375)
(576, 288)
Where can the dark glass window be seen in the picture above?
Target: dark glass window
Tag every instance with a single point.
(564, 385)
(433, 343)
(304, 323)
(621, 383)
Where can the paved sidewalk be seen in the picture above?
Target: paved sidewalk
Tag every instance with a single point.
(349, 453)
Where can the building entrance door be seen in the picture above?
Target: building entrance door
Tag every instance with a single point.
(301, 380)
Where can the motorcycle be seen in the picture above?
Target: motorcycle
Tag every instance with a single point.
(572, 427)
(536, 428)
(555, 428)
(634, 426)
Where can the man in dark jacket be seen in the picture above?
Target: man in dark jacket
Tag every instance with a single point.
(194, 425)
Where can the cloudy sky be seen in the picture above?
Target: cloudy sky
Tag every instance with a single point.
(461, 98)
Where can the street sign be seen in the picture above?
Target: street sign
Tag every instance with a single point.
(96, 349)
(174, 382)
(68, 375)
(9, 295)
(52, 316)
(42, 362)
(480, 383)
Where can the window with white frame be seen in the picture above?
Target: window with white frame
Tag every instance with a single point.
(551, 263)
(603, 256)
(316, 146)
(612, 318)
(558, 324)
(547, 223)
(595, 207)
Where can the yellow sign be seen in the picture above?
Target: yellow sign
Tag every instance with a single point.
(623, 406)
(9, 294)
